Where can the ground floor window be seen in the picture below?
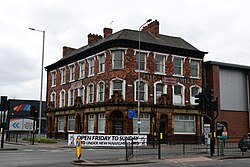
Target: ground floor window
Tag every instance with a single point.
(184, 124)
(71, 123)
(101, 123)
(60, 123)
(91, 123)
(145, 123)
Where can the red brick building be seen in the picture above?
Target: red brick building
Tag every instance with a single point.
(92, 88)
(230, 83)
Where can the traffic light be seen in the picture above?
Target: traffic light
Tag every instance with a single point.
(210, 102)
(4, 103)
(33, 112)
(199, 99)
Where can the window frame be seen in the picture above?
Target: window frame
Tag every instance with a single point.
(100, 95)
(60, 123)
(164, 91)
(182, 59)
(145, 123)
(123, 87)
(114, 59)
(81, 95)
(101, 119)
(91, 62)
(185, 121)
(62, 98)
(69, 121)
(197, 68)
(163, 67)
(146, 53)
(63, 75)
(53, 98)
(71, 99)
(82, 69)
(91, 118)
(72, 72)
(192, 98)
(53, 78)
(90, 95)
(145, 91)
(102, 62)
(182, 95)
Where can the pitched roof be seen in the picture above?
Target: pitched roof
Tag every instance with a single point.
(133, 36)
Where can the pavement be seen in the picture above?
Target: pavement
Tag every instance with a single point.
(11, 146)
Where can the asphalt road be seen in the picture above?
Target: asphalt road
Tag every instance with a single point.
(61, 157)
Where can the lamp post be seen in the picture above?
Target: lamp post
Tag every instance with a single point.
(139, 75)
(41, 88)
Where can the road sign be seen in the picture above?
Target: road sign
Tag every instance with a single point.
(131, 113)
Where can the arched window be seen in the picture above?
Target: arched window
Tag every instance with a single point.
(100, 91)
(90, 93)
(118, 85)
(159, 90)
(194, 90)
(178, 94)
(142, 91)
(53, 99)
(62, 99)
(71, 97)
(81, 93)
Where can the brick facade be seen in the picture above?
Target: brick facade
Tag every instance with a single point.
(115, 107)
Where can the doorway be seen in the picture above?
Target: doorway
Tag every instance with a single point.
(117, 122)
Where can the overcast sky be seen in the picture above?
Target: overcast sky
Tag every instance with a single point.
(220, 27)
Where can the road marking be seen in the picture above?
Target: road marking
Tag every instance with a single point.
(193, 159)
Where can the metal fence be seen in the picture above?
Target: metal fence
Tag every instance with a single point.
(165, 150)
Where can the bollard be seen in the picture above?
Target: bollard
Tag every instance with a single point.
(78, 148)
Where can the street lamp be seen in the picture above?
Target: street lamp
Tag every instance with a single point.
(139, 76)
(41, 88)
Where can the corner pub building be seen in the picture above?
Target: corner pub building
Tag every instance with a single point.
(91, 89)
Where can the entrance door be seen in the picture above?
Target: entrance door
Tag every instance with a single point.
(118, 127)
(117, 122)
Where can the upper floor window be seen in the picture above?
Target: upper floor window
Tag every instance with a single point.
(81, 69)
(195, 68)
(100, 91)
(178, 66)
(194, 91)
(90, 93)
(91, 66)
(71, 97)
(63, 75)
(118, 59)
(81, 93)
(72, 72)
(117, 85)
(53, 78)
(159, 63)
(160, 89)
(142, 60)
(142, 91)
(178, 98)
(53, 99)
(62, 98)
(101, 58)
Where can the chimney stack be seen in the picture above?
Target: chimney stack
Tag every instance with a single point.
(92, 38)
(67, 50)
(153, 28)
(107, 32)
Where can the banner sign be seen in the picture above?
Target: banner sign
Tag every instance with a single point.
(107, 140)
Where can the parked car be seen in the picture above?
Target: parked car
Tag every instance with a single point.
(244, 143)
